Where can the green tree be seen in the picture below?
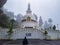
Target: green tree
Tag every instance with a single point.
(54, 27)
(4, 20)
(11, 28)
(45, 33)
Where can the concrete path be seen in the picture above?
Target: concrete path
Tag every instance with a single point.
(33, 42)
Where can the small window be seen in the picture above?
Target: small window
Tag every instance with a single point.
(28, 34)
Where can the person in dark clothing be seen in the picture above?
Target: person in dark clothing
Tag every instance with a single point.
(25, 41)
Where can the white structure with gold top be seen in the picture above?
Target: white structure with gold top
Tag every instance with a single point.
(29, 20)
(28, 27)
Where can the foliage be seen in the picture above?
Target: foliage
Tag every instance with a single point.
(11, 28)
(1, 11)
(4, 20)
(54, 27)
(2, 2)
(46, 32)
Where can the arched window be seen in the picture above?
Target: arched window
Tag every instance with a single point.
(28, 19)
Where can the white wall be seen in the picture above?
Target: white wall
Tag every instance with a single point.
(3, 33)
(35, 34)
(54, 34)
(29, 24)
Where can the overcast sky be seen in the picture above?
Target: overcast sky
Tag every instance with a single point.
(45, 8)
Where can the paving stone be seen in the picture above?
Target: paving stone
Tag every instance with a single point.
(33, 42)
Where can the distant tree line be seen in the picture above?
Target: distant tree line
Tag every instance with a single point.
(5, 21)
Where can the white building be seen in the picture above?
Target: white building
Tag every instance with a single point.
(29, 27)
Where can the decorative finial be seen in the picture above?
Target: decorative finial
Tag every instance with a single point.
(28, 10)
(28, 6)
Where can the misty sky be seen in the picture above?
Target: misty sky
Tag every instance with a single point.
(45, 8)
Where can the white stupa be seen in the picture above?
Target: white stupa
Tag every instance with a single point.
(29, 20)
(28, 27)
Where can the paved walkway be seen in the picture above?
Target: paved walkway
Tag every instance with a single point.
(33, 42)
